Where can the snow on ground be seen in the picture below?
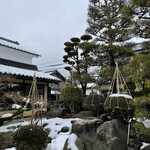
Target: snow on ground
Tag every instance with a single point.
(16, 106)
(144, 145)
(55, 125)
(71, 142)
(13, 148)
(7, 128)
(147, 123)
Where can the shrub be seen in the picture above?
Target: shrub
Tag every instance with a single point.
(30, 137)
(72, 95)
(140, 126)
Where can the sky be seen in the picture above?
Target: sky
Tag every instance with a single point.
(43, 26)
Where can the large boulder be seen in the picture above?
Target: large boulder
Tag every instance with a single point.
(86, 131)
(111, 135)
(96, 135)
(6, 139)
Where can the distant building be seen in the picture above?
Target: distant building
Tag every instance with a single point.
(62, 82)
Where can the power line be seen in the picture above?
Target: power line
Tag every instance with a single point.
(49, 62)
(47, 70)
(55, 65)
(46, 34)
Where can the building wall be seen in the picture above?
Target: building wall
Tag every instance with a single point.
(15, 55)
(62, 85)
(88, 91)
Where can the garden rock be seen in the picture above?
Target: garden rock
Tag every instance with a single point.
(111, 135)
(48, 130)
(132, 148)
(135, 143)
(11, 128)
(86, 131)
(96, 135)
(84, 114)
(59, 112)
(103, 117)
(6, 139)
(136, 134)
(65, 129)
(73, 121)
(146, 148)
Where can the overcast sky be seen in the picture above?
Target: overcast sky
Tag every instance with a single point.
(43, 25)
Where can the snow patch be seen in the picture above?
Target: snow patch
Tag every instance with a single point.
(16, 106)
(6, 115)
(13, 148)
(144, 145)
(121, 95)
(71, 142)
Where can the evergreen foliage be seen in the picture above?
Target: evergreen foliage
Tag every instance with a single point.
(71, 95)
(140, 126)
(79, 58)
(138, 71)
(142, 104)
(140, 11)
(30, 137)
(111, 26)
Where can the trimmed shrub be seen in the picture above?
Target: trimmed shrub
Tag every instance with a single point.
(30, 137)
(119, 107)
(93, 102)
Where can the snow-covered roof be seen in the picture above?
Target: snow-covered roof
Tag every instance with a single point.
(16, 46)
(25, 72)
(95, 70)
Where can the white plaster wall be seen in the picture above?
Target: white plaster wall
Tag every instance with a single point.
(88, 91)
(15, 55)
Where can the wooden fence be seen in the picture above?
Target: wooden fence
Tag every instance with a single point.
(25, 113)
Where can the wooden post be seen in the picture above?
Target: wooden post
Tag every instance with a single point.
(45, 96)
(33, 96)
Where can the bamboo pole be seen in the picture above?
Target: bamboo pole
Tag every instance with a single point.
(117, 69)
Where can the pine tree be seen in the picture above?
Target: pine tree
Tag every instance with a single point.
(79, 59)
(111, 26)
(140, 9)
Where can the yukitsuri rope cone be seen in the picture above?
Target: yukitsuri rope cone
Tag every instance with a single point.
(93, 101)
(34, 97)
(119, 105)
(119, 100)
